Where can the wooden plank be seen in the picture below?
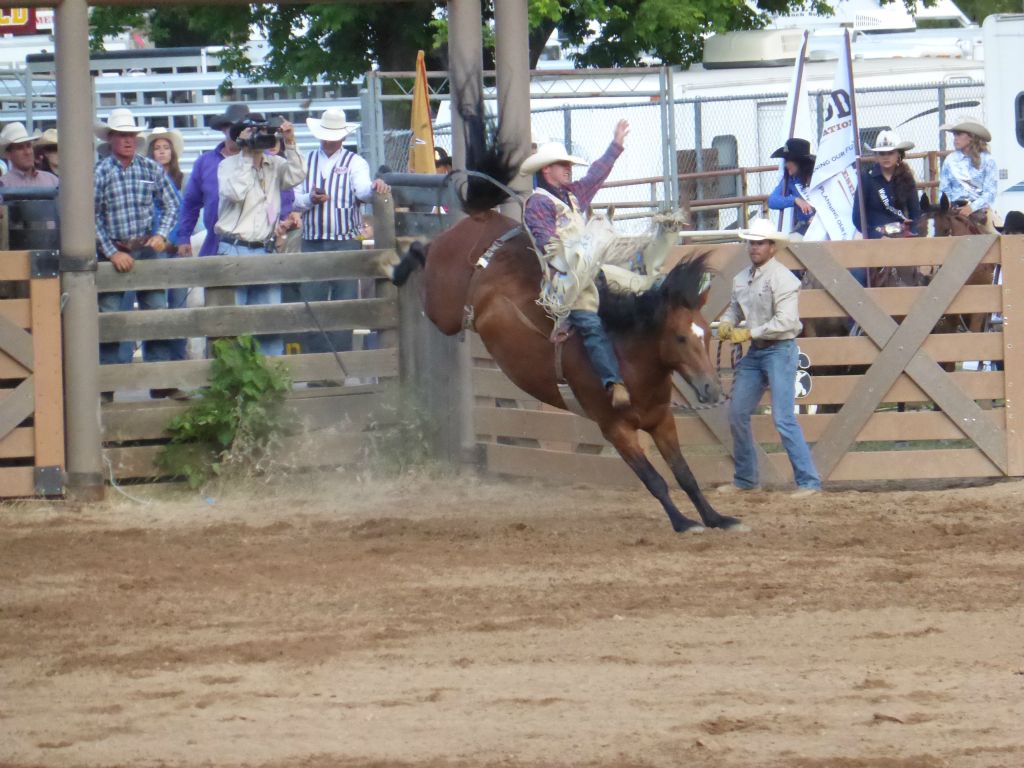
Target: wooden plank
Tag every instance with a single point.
(598, 470)
(15, 342)
(16, 312)
(15, 265)
(1013, 350)
(195, 373)
(860, 350)
(976, 385)
(48, 374)
(817, 302)
(944, 464)
(18, 444)
(147, 420)
(11, 369)
(901, 350)
(329, 449)
(492, 382)
(882, 426)
(909, 252)
(210, 271)
(16, 482)
(235, 321)
(17, 405)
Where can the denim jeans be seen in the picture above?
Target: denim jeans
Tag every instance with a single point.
(249, 295)
(598, 345)
(328, 290)
(155, 350)
(773, 368)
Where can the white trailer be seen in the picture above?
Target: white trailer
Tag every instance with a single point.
(1004, 105)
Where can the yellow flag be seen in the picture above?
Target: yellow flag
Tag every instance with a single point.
(421, 150)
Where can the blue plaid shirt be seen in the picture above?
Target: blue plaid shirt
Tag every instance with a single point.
(960, 180)
(125, 201)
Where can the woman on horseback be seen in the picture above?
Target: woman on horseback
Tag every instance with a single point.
(796, 177)
(968, 176)
(557, 206)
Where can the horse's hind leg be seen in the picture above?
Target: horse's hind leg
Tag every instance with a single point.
(667, 440)
(629, 449)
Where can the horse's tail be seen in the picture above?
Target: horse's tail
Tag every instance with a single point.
(415, 258)
(487, 155)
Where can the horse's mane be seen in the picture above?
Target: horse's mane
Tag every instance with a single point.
(644, 312)
(485, 154)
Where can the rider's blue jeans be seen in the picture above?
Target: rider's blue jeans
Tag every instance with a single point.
(598, 345)
(774, 368)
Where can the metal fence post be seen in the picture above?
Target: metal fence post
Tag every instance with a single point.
(367, 129)
(698, 146)
(673, 155)
(819, 103)
(942, 115)
(567, 127)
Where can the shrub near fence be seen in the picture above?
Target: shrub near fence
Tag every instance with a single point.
(330, 422)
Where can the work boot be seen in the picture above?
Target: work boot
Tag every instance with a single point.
(620, 396)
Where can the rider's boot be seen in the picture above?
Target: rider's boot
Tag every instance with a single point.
(620, 396)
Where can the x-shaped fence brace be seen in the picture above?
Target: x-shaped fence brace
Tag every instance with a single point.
(900, 350)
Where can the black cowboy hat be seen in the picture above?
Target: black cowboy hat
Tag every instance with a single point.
(1013, 223)
(441, 157)
(794, 149)
(232, 114)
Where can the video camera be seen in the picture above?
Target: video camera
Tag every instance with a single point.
(263, 135)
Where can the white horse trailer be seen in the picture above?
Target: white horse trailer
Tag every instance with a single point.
(1004, 105)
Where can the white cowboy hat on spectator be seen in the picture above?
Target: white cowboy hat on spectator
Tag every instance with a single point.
(763, 229)
(969, 125)
(332, 125)
(47, 138)
(121, 121)
(14, 133)
(888, 141)
(546, 154)
(170, 134)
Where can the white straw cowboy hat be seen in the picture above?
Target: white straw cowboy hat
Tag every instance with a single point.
(14, 133)
(47, 138)
(546, 154)
(332, 125)
(172, 135)
(763, 229)
(888, 141)
(121, 121)
(969, 125)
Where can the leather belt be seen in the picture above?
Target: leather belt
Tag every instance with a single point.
(132, 243)
(765, 343)
(232, 240)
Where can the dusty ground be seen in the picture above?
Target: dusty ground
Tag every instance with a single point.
(489, 624)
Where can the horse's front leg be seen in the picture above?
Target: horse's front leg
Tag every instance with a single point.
(667, 440)
(624, 438)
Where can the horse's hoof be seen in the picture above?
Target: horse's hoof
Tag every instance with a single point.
(727, 523)
(691, 528)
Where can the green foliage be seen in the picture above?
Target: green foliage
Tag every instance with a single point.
(236, 420)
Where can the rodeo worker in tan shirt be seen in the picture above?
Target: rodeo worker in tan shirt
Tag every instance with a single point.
(766, 295)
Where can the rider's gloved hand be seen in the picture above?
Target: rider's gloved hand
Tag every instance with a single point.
(724, 330)
(739, 335)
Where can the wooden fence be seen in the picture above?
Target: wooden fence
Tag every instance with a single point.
(960, 424)
(329, 421)
(31, 385)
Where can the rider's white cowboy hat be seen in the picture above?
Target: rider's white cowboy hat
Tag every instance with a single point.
(969, 125)
(889, 141)
(14, 133)
(546, 154)
(172, 135)
(332, 125)
(763, 229)
(121, 121)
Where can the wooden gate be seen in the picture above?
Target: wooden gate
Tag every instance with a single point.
(31, 386)
(958, 424)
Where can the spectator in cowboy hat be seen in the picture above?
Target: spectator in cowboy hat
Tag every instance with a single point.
(47, 158)
(969, 175)
(766, 295)
(128, 189)
(202, 193)
(798, 167)
(337, 182)
(442, 160)
(558, 205)
(16, 144)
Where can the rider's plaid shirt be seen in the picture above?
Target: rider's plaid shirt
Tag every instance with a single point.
(125, 200)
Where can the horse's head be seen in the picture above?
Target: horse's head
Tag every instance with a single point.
(685, 338)
(946, 222)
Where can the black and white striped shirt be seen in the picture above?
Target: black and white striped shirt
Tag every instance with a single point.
(345, 177)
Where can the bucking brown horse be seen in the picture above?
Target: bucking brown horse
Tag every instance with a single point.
(487, 262)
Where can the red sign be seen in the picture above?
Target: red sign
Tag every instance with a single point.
(17, 21)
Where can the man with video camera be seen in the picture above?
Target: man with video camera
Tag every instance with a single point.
(250, 200)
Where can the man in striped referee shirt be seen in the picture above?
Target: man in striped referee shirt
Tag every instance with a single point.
(337, 181)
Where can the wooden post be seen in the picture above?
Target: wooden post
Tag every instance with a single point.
(1012, 248)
